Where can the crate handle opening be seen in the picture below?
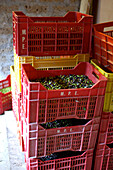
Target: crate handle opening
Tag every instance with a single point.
(95, 75)
(82, 16)
(110, 145)
(63, 154)
(108, 29)
(64, 123)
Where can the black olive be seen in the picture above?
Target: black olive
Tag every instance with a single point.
(66, 82)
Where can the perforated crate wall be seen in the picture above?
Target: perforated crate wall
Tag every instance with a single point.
(108, 100)
(83, 161)
(16, 96)
(49, 105)
(66, 35)
(39, 141)
(103, 44)
(104, 157)
(5, 99)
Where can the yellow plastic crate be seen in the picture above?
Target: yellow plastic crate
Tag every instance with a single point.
(108, 100)
(47, 63)
(13, 79)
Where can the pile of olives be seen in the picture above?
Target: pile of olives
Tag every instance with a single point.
(64, 123)
(66, 82)
(63, 154)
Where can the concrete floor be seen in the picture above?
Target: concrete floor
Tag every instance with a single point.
(11, 157)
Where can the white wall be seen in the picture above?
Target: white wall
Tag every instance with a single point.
(104, 11)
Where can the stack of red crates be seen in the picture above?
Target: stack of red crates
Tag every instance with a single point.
(41, 105)
(45, 37)
(104, 150)
(103, 54)
(68, 35)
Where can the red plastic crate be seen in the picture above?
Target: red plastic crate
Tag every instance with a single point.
(110, 129)
(103, 44)
(42, 105)
(5, 99)
(104, 124)
(106, 128)
(39, 141)
(83, 162)
(16, 103)
(16, 106)
(39, 36)
(16, 96)
(104, 157)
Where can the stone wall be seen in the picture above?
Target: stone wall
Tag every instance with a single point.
(30, 8)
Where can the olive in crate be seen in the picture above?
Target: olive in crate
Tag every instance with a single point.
(64, 123)
(66, 82)
(59, 155)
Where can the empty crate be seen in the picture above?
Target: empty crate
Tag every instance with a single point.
(108, 100)
(103, 44)
(66, 35)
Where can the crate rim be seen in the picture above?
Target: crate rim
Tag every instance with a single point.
(24, 15)
(78, 89)
(94, 61)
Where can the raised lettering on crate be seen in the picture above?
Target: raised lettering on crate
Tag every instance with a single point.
(23, 38)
